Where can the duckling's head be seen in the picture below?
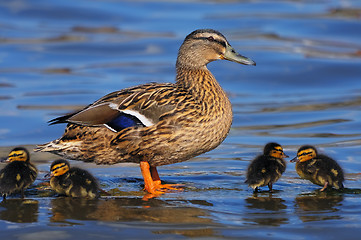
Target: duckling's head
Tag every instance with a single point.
(274, 150)
(305, 153)
(19, 154)
(203, 46)
(59, 168)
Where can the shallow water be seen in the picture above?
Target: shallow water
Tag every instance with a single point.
(56, 56)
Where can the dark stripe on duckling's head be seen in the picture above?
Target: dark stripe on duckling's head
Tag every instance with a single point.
(59, 167)
(274, 150)
(306, 152)
(19, 154)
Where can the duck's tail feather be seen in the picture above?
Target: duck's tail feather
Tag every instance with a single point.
(54, 146)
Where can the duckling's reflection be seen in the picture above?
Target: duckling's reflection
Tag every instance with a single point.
(155, 210)
(184, 220)
(19, 210)
(266, 210)
(65, 209)
(190, 219)
(318, 206)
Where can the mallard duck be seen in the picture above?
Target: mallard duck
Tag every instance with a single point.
(157, 123)
(72, 181)
(17, 175)
(318, 168)
(267, 168)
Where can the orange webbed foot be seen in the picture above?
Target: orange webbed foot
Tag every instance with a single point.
(168, 187)
(152, 182)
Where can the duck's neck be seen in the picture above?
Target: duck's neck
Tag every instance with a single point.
(214, 107)
(200, 83)
(213, 102)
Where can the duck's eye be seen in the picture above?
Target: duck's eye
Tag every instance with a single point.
(210, 38)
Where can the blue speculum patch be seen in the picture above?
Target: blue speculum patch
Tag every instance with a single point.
(124, 120)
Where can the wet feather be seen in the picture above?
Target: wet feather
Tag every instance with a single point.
(318, 168)
(73, 181)
(19, 174)
(267, 168)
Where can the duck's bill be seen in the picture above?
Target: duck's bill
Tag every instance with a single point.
(232, 55)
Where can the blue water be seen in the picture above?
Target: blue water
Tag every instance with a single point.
(56, 56)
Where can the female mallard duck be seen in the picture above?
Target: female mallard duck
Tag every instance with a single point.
(158, 123)
(266, 169)
(19, 174)
(72, 181)
(317, 168)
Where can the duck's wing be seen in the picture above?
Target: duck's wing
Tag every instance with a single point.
(139, 106)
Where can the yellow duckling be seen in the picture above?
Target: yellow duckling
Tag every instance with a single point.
(19, 174)
(266, 169)
(317, 168)
(158, 123)
(73, 182)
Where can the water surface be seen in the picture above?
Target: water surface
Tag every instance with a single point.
(56, 56)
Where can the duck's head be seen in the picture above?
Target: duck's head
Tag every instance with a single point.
(305, 153)
(58, 168)
(274, 150)
(18, 154)
(203, 46)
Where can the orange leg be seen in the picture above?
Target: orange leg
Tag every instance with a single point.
(149, 184)
(155, 176)
(152, 182)
(324, 187)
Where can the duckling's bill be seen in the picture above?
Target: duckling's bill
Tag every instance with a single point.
(295, 159)
(232, 55)
(49, 175)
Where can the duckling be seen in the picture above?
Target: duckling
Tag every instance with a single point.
(157, 123)
(318, 168)
(17, 175)
(266, 169)
(73, 182)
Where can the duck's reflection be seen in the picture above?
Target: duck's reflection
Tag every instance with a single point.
(264, 209)
(186, 220)
(319, 206)
(19, 210)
